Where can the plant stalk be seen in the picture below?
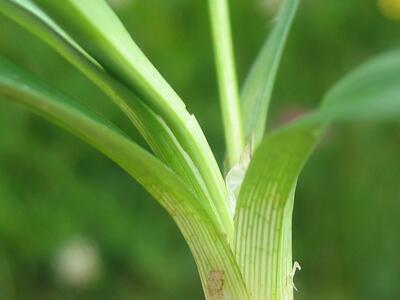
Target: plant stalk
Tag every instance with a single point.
(228, 89)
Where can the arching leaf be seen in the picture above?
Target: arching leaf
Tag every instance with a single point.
(213, 255)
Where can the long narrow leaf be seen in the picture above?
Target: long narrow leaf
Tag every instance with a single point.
(257, 90)
(265, 204)
(157, 134)
(370, 92)
(217, 266)
(98, 30)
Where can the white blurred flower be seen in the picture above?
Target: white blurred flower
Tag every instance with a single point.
(78, 264)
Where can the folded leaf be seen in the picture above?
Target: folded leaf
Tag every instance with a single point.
(98, 30)
(265, 204)
(154, 130)
(212, 252)
(257, 90)
(263, 219)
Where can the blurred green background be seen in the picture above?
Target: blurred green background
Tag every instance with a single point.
(74, 226)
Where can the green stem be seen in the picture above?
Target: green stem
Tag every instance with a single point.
(229, 95)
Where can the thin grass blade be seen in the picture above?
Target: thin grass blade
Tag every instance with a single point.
(217, 266)
(155, 131)
(257, 89)
(98, 30)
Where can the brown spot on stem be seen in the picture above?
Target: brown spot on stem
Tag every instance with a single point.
(215, 284)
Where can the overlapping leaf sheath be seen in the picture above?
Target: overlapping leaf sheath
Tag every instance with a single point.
(264, 210)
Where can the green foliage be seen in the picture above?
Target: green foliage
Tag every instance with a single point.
(259, 83)
(265, 205)
(98, 30)
(245, 256)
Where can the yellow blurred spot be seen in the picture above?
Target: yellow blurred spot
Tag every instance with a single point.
(390, 8)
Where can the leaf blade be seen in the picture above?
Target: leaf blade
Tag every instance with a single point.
(370, 92)
(257, 89)
(208, 244)
(98, 30)
(154, 130)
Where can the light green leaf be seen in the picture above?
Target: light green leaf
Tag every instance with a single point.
(257, 90)
(218, 270)
(98, 30)
(264, 210)
(371, 92)
(157, 134)
(263, 219)
(228, 90)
